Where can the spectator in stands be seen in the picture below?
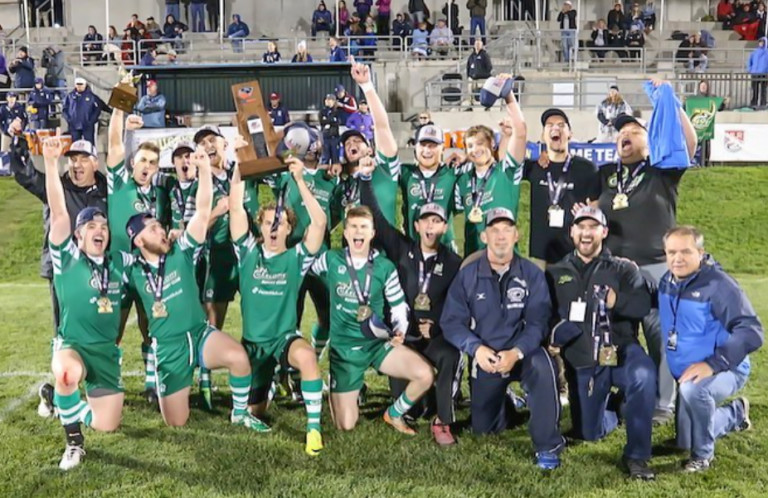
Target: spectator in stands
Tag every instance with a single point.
(693, 53)
(363, 7)
(130, 46)
(420, 42)
(636, 18)
(81, 110)
(451, 11)
(151, 107)
(354, 26)
(635, 42)
(272, 55)
(362, 121)
(153, 28)
(173, 31)
(616, 17)
(617, 41)
(23, 69)
(354, 36)
(479, 64)
(301, 55)
(760, 15)
(172, 9)
(112, 48)
(402, 29)
(54, 62)
(236, 32)
(368, 42)
(418, 10)
(197, 11)
(212, 6)
(345, 103)
(745, 23)
(321, 19)
(5, 78)
(277, 110)
(423, 119)
(702, 90)
(613, 106)
(441, 39)
(144, 41)
(39, 101)
(93, 45)
(567, 20)
(757, 66)
(9, 111)
(170, 58)
(726, 13)
(149, 58)
(343, 20)
(135, 23)
(384, 12)
(599, 39)
(337, 53)
(649, 16)
(370, 22)
(477, 18)
(329, 125)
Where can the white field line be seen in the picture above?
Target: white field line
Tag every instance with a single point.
(17, 402)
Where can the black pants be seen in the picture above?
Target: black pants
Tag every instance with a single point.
(449, 363)
(537, 375)
(759, 85)
(318, 292)
(55, 307)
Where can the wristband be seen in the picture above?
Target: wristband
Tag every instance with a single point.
(366, 86)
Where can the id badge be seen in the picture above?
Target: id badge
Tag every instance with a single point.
(556, 217)
(578, 311)
(672, 341)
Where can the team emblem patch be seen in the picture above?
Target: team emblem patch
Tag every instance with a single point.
(342, 269)
(564, 279)
(245, 94)
(733, 140)
(515, 295)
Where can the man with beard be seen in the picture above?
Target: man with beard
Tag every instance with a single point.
(640, 203)
(133, 190)
(497, 311)
(163, 278)
(599, 301)
(83, 187)
(426, 269)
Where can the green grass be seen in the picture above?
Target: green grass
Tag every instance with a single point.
(209, 458)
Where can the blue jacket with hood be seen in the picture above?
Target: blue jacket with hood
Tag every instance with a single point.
(758, 60)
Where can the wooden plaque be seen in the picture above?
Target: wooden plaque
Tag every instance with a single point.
(255, 125)
(124, 97)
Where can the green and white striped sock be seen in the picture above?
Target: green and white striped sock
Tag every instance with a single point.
(319, 339)
(400, 407)
(72, 409)
(312, 391)
(150, 376)
(241, 388)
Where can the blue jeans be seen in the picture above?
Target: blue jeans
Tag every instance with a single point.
(476, 22)
(237, 45)
(197, 12)
(568, 39)
(699, 420)
(173, 10)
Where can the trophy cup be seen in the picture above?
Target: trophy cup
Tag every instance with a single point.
(125, 95)
(254, 124)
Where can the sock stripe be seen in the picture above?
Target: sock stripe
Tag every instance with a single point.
(401, 406)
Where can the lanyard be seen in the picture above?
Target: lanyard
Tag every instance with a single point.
(601, 322)
(624, 185)
(351, 191)
(179, 195)
(156, 285)
(221, 185)
(556, 189)
(149, 200)
(362, 293)
(101, 280)
(425, 276)
(427, 194)
(479, 190)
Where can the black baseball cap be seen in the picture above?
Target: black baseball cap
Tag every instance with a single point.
(136, 224)
(554, 112)
(184, 145)
(352, 133)
(206, 130)
(88, 214)
(623, 120)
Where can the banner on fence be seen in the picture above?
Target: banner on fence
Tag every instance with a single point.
(598, 153)
(702, 111)
(739, 143)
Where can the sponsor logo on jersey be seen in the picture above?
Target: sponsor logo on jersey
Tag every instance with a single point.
(564, 279)
(94, 283)
(346, 291)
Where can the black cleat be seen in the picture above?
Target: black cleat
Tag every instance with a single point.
(362, 395)
(638, 469)
(46, 409)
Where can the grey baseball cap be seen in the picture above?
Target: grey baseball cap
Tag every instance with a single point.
(432, 208)
(82, 147)
(429, 133)
(499, 214)
(591, 213)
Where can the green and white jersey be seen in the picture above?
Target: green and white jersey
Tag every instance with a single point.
(77, 280)
(181, 294)
(269, 288)
(322, 186)
(125, 198)
(384, 182)
(502, 189)
(331, 266)
(181, 192)
(418, 189)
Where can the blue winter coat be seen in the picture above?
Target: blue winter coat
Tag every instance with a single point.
(715, 322)
(758, 60)
(24, 73)
(42, 100)
(81, 110)
(338, 55)
(236, 26)
(322, 15)
(8, 114)
(152, 110)
(668, 147)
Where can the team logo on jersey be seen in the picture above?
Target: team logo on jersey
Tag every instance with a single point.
(564, 279)
(516, 294)
(94, 283)
(260, 273)
(612, 180)
(140, 207)
(342, 269)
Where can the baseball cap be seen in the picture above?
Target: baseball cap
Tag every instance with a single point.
(82, 147)
(498, 214)
(352, 133)
(623, 120)
(39, 80)
(136, 224)
(88, 214)
(429, 133)
(80, 81)
(182, 146)
(591, 213)
(554, 112)
(331, 96)
(11, 94)
(151, 82)
(206, 130)
(614, 87)
(339, 88)
(274, 95)
(375, 328)
(432, 208)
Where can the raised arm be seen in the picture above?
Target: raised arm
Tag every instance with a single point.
(60, 222)
(382, 133)
(315, 235)
(238, 216)
(22, 167)
(691, 140)
(198, 225)
(390, 238)
(115, 147)
(517, 143)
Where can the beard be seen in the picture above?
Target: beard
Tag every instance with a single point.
(157, 247)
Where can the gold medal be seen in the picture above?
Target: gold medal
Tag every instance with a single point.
(159, 310)
(422, 302)
(104, 304)
(620, 201)
(608, 357)
(364, 312)
(475, 215)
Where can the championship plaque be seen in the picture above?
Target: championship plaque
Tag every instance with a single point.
(124, 97)
(255, 126)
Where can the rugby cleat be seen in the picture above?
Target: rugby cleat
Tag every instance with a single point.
(314, 443)
(399, 424)
(547, 460)
(746, 423)
(248, 421)
(46, 409)
(72, 456)
(638, 469)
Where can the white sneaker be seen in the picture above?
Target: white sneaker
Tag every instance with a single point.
(72, 456)
(45, 408)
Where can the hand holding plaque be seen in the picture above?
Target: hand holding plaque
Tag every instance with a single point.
(258, 157)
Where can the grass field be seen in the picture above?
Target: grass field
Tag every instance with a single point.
(209, 458)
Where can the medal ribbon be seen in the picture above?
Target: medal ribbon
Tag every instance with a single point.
(623, 184)
(351, 192)
(155, 284)
(425, 277)
(601, 323)
(279, 208)
(103, 279)
(479, 190)
(178, 195)
(362, 293)
(556, 190)
(149, 200)
(427, 195)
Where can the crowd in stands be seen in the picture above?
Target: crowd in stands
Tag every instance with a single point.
(747, 18)
(619, 32)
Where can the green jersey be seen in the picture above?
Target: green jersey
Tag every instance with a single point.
(331, 266)
(180, 292)
(125, 198)
(77, 280)
(218, 234)
(323, 188)
(269, 288)
(181, 194)
(384, 182)
(500, 189)
(418, 189)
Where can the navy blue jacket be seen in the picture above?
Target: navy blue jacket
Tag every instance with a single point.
(337, 55)
(24, 72)
(481, 310)
(81, 110)
(41, 100)
(279, 115)
(715, 322)
(8, 114)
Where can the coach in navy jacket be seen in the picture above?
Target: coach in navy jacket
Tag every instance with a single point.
(709, 327)
(497, 311)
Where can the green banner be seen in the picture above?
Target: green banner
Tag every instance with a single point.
(702, 112)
